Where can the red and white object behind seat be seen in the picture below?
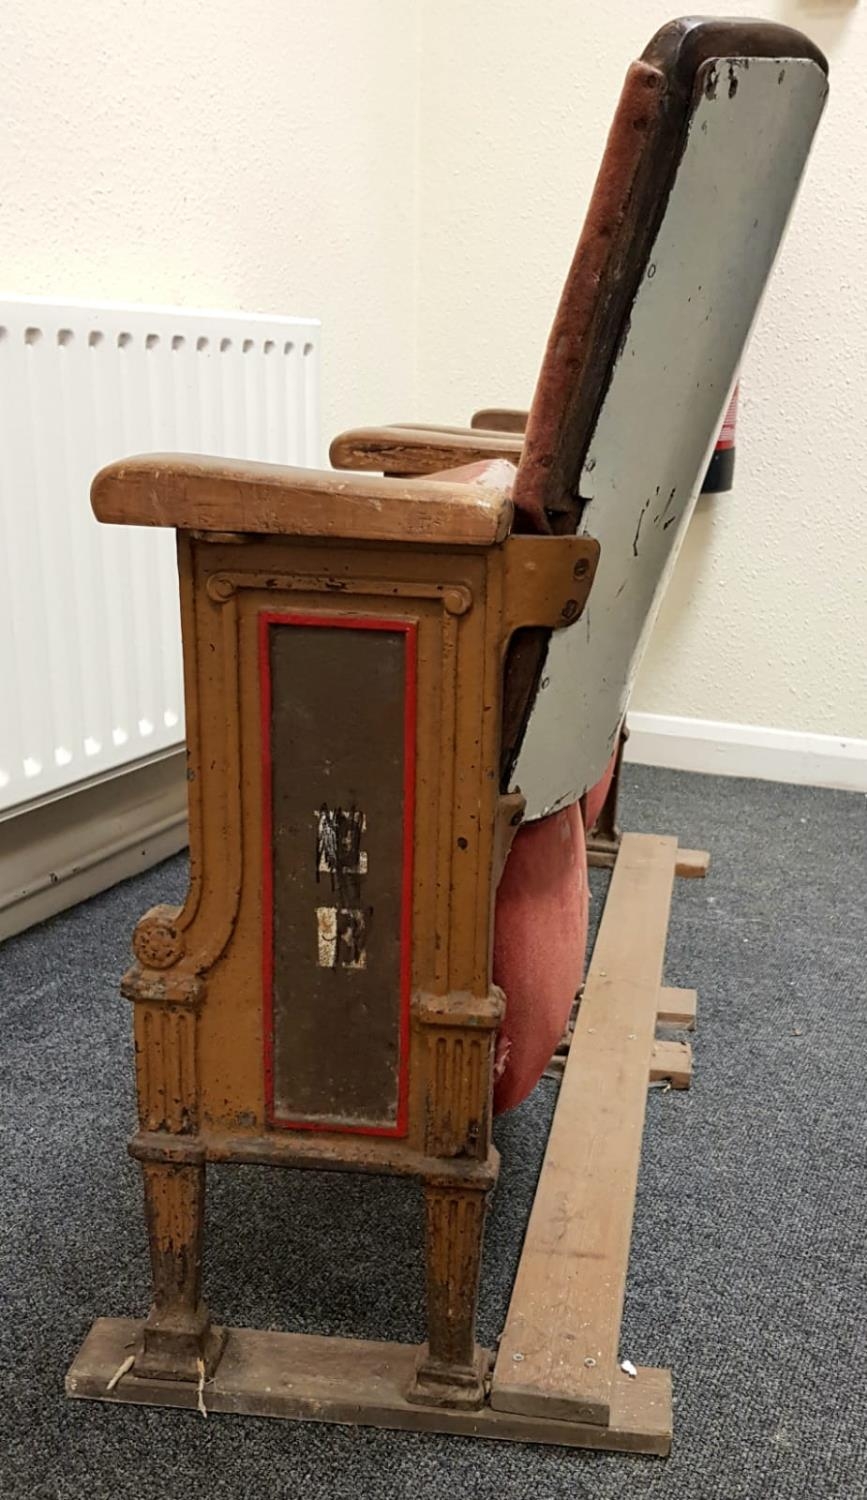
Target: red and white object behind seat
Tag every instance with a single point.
(721, 470)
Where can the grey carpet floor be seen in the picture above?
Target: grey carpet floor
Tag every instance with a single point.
(749, 1265)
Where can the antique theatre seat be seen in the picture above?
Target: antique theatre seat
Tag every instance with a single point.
(400, 685)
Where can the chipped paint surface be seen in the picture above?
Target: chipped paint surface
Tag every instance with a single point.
(691, 319)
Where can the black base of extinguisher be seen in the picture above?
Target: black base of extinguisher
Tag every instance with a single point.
(720, 472)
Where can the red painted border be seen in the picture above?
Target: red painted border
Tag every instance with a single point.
(408, 629)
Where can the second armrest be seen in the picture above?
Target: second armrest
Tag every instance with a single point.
(500, 419)
(420, 450)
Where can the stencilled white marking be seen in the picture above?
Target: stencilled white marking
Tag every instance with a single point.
(326, 931)
(341, 928)
(341, 934)
(333, 828)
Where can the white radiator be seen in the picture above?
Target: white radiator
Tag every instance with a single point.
(90, 667)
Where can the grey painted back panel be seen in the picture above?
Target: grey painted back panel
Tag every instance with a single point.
(746, 149)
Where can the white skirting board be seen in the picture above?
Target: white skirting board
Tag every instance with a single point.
(752, 750)
(63, 849)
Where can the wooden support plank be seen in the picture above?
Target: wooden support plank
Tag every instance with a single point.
(677, 1008)
(671, 1062)
(692, 864)
(559, 1351)
(307, 1378)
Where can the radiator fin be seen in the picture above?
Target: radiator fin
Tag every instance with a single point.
(90, 660)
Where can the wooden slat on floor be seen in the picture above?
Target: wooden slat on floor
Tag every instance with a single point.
(692, 864)
(678, 1008)
(307, 1378)
(671, 1062)
(559, 1351)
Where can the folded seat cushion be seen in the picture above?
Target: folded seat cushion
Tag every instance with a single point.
(540, 938)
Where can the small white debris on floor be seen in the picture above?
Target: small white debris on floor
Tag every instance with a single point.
(628, 1368)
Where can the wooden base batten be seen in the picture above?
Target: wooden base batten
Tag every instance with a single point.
(305, 1378)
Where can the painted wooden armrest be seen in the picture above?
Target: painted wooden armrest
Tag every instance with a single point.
(227, 495)
(419, 450)
(499, 419)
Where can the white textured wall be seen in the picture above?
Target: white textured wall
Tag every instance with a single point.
(217, 153)
(766, 618)
(415, 172)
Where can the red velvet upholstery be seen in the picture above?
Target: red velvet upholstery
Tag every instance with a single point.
(596, 298)
(540, 938)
